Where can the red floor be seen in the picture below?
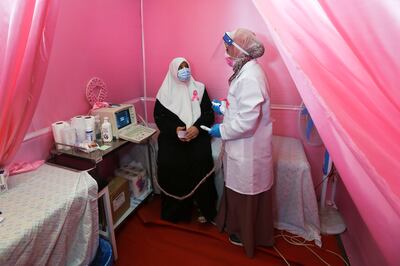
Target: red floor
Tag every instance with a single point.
(144, 239)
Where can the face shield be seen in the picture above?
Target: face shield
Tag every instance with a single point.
(229, 41)
(226, 63)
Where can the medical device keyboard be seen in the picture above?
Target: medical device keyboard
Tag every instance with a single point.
(137, 133)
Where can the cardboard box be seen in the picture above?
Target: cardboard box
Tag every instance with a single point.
(119, 197)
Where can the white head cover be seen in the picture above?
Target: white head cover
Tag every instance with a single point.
(183, 98)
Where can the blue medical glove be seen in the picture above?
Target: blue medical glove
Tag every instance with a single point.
(216, 106)
(215, 132)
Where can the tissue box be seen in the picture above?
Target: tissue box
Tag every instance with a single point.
(137, 183)
(136, 175)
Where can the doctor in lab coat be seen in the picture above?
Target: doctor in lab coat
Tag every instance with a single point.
(246, 206)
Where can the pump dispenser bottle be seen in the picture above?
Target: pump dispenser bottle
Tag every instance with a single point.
(106, 131)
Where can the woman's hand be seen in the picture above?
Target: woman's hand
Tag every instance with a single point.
(181, 129)
(191, 133)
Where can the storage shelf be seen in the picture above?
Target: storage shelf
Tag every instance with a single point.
(100, 166)
(135, 202)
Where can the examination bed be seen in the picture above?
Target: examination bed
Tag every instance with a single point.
(295, 203)
(51, 218)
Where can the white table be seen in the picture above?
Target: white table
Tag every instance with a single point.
(51, 218)
(295, 203)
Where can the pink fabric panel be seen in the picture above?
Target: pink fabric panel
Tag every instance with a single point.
(356, 112)
(183, 28)
(91, 40)
(357, 239)
(25, 41)
(374, 43)
(35, 149)
(19, 168)
(102, 40)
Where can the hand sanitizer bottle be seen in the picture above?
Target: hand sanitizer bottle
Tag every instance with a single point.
(106, 131)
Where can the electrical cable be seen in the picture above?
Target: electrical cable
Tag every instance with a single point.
(322, 181)
(331, 173)
(295, 240)
(197, 186)
(280, 254)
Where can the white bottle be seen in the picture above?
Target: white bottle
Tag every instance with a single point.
(106, 131)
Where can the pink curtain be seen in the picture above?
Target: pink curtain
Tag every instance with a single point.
(343, 56)
(26, 34)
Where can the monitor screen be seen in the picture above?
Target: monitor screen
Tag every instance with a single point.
(123, 118)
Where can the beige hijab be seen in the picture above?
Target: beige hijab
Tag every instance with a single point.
(248, 41)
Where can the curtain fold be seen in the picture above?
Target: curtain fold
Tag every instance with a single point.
(343, 57)
(26, 35)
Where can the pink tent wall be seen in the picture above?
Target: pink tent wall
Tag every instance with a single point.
(105, 40)
(87, 45)
(91, 39)
(343, 58)
(194, 29)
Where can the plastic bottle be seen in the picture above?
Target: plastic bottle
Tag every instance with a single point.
(223, 107)
(89, 134)
(106, 131)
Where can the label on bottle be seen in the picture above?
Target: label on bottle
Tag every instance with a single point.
(90, 135)
(106, 132)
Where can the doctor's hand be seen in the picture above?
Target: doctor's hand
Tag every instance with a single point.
(191, 133)
(216, 106)
(215, 131)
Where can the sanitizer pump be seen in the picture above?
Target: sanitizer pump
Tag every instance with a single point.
(106, 131)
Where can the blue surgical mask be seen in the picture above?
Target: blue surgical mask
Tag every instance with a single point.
(184, 74)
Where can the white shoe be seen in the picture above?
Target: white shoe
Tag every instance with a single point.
(201, 219)
(234, 239)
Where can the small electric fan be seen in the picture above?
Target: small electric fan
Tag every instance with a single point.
(307, 129)
(330, 219)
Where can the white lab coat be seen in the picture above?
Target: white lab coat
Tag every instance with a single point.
(247, 131)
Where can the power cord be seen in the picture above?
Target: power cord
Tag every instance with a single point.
(296, 241)
(332, 173)
(196, 187)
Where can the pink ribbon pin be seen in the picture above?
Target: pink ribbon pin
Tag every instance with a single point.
(195, 96)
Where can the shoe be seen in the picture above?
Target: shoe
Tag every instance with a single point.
(201, 219)
(234, 239)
